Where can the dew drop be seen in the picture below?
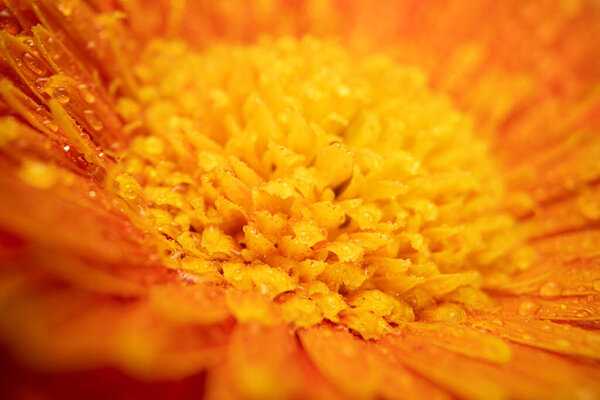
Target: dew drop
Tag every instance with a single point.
(583, 314)
(65, 7)
(31, 44)
(550, 289)
(92, 119)
(40, 83)
(66, 148)
(62, 95)
(8, 22)
(527, 308)
(50, 125)
(87, 95)
(91, 45)
(33, 64)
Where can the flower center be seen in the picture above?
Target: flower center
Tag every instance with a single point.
(339, 188)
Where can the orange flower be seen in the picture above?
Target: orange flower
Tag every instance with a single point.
(308, 199)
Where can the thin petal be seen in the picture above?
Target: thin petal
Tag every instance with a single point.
(559, 338)
(360, 368)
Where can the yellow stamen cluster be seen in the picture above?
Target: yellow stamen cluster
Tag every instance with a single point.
(340, 188)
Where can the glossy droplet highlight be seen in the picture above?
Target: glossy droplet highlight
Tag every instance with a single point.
(31, 44)
(62, 95)
(9, 23)
(50, 125)
(33, 64)
(550, 289)
(40, 84)
(86, 93)
(65, 7)
(583, 314)
(92, 119)
(528, 308)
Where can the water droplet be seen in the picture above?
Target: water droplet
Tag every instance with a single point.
(87, 95)
(596, 285)
(33, 64)
(8, 22)
(92, 119)
(40, 83)
(62, 95)
(91, 45)
(583, 314)
(92, 194)
(50, 125)
(66, 148)
(31, 44)
(550, 289)
(65, 7)
(527, 308)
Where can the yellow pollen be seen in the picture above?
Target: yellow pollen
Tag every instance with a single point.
(337, 188)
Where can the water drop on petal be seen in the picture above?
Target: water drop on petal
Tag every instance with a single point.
(65, 7)
(40, 83)
(33, 64)
(92, 119)
(50, 125)
(87, 95)
(527, 308)
(550, 289)
(62, 95)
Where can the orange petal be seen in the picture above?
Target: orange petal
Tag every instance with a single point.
(579, 277)
(55, 328)
(463, 376)
(559, 338)
(462, 340)
(362, 369)
(574, 308)
(261, 363)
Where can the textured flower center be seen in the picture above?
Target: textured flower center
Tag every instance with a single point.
(339, 188)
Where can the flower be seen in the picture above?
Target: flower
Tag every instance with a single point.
(312, 199)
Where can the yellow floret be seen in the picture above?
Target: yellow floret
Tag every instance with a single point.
(314, 184)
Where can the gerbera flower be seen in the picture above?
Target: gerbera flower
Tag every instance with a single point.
(308, 199)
